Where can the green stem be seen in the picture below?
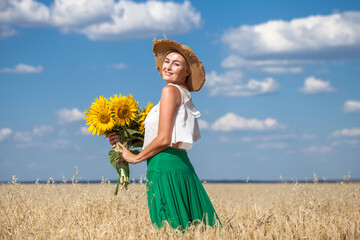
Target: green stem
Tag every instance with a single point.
(123, 170)
(117, 186)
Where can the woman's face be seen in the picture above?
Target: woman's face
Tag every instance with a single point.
(174, 69)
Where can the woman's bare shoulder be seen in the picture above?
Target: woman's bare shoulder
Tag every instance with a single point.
(171, 93)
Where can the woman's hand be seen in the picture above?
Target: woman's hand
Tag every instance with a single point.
(127, 155)
(113, 139)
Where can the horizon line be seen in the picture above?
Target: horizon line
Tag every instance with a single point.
(137, 181)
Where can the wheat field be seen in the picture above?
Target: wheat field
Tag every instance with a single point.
(247, 211)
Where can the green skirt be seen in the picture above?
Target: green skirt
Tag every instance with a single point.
(175, 193)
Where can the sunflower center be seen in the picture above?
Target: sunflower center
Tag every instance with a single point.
(123, 112)
(104, 118)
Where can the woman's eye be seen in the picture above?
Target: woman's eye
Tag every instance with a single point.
(166, 61)
(176, 64)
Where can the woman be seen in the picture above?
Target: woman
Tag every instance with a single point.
(175, 193)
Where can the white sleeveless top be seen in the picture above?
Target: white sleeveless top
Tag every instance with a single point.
(186, 128)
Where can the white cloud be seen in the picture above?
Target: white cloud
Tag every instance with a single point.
(223, 139)
(22, 68)
(269, 138)
(313, 86)
(213, 79)
(24, 13)
(4, 133)
(203, 124)
(41, 130)
(287, 47)
(24, 137)
(6, 31)
(283, 70)
(104, 19)
(63, 132)
(35, 138)
(275, 145)
(277, 137)
(273, 66)
(140, 20)
(231, 84)
(119, 66)
(351, 106)
(28, 136)
(247, 139)
(231, 122)
(317, 149)
(309, 35)
(308, 136)
(84, 131)
(353, 132)
(234, 61)
(79, 13)
(352, 142)
(70, 115)
(62, 144)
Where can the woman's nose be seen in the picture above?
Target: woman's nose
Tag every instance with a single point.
(168, 66)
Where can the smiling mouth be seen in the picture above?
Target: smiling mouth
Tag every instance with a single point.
(168, 73)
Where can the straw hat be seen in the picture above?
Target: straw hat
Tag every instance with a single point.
(196, 79)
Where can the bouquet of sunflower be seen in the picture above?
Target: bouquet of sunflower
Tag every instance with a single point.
(119, 114)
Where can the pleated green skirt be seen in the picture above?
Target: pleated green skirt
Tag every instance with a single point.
(175, 193)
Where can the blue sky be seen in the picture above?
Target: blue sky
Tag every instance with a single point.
(282, 95)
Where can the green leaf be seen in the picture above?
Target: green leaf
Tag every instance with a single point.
(133, 131)
(135, 151)
(122, 168)
(112, 156)
(137, 144)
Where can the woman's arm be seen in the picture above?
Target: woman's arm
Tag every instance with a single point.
(169, 102)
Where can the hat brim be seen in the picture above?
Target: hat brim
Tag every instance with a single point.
(196, 79)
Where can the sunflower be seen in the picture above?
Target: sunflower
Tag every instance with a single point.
(143, 116)
(124, 109)
(99, 116)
